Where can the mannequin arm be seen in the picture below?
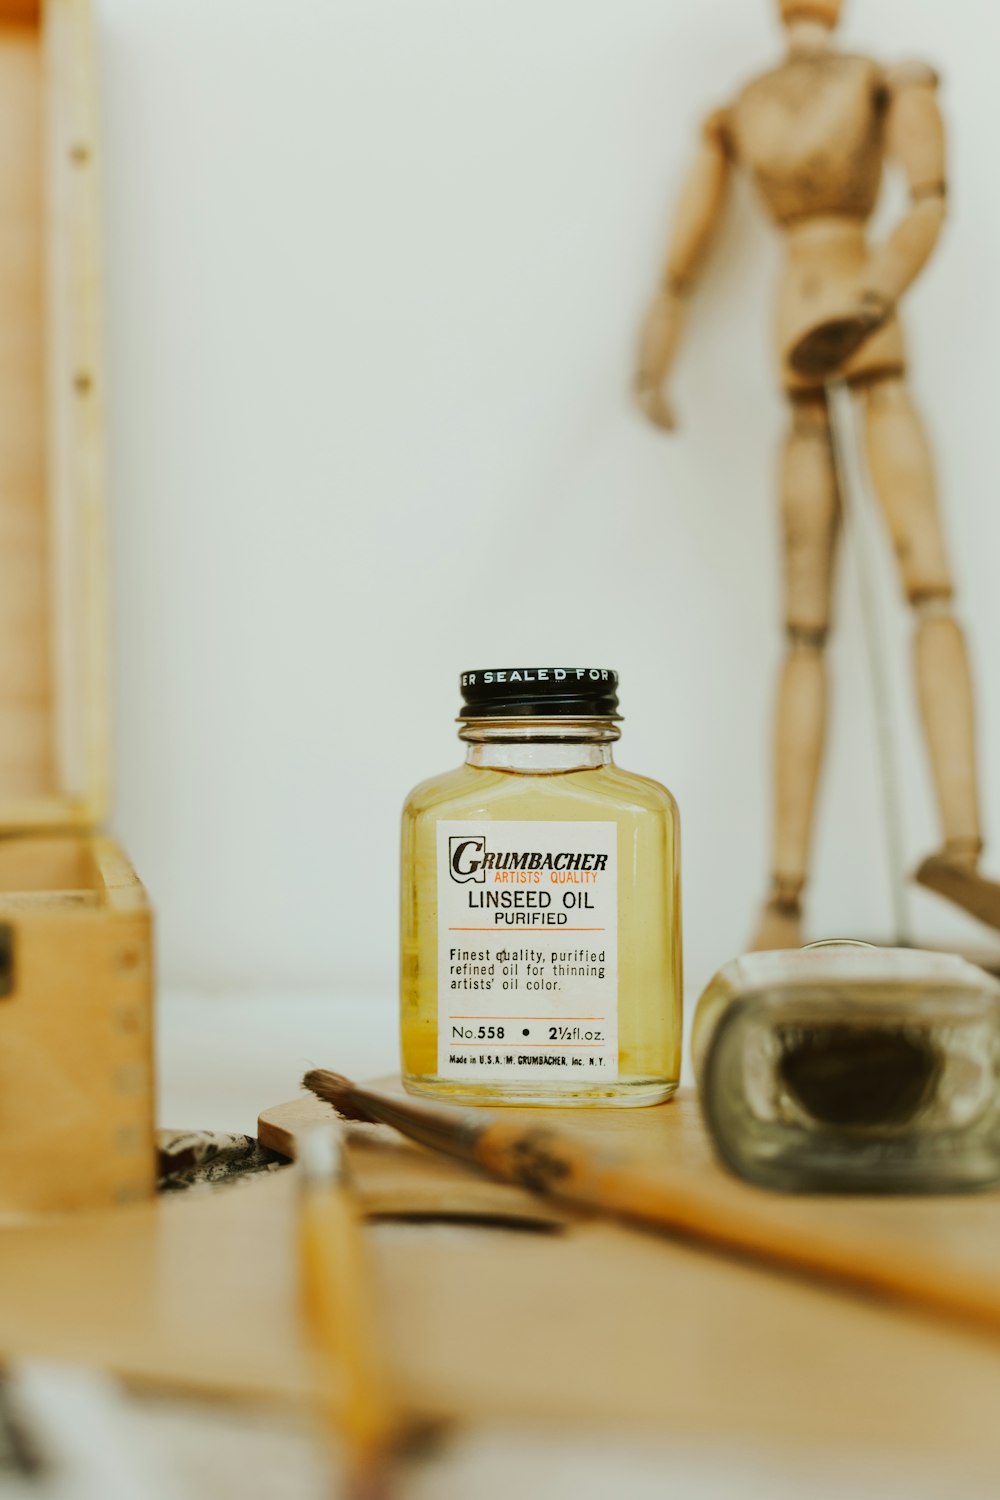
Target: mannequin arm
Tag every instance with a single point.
(699, 212)
(916, 141)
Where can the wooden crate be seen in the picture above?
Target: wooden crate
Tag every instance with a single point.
(76, 1094)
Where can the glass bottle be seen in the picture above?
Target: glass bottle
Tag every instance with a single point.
(541, 928)
(846, 1068)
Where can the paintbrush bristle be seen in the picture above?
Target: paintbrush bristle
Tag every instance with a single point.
(337, 1091)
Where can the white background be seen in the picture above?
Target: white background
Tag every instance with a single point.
(375, 273)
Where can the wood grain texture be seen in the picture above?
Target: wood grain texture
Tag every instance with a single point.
(815, 135)
(593, 1326)
(53, 594)
(76, 1068)
(27, 689)
(901, 468)
(825, 12)
(76, 410)
(811, 523)
(76, 1042)
(396, 1179)
(20, 12)
(936, 1253)
(799, 742)
(944, 685)
(697, 219)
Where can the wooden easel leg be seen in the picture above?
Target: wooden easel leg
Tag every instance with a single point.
(811, 516)
(902, 471)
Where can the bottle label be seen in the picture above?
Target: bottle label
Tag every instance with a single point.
(528, 951)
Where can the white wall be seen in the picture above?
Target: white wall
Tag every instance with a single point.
(375, 273)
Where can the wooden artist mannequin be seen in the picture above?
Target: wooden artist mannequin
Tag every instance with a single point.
(814, 135)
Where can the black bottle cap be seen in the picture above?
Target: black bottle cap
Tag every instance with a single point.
(540, 692)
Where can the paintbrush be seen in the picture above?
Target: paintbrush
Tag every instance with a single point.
(355, 1393)
(728, 1216)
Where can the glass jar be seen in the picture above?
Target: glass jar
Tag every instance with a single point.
(847, 1068)
(541, 928)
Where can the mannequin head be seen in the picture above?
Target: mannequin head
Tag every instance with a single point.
(825, 12)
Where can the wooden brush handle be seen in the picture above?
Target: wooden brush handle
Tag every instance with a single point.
(926, 1254)
(549, 1162)
(340, 1317)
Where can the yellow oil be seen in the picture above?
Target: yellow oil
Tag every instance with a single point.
(649, 924)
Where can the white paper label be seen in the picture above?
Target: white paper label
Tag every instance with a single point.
(528, 951)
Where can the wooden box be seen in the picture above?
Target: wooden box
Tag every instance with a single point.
(76, 1091)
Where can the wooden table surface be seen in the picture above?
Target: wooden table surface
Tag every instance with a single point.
(598, 1350)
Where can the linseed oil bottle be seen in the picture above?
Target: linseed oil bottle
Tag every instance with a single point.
(541, 924)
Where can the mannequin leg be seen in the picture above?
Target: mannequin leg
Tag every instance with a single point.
(902, 472)
(811, 518)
